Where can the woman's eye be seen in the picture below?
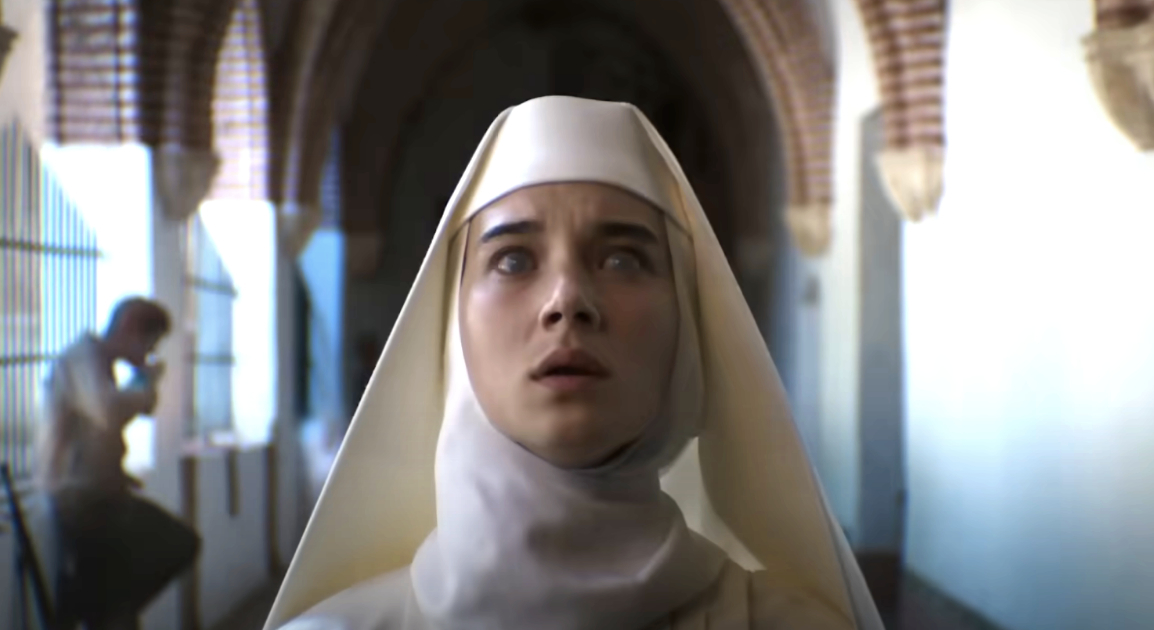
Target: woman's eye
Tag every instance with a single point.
(624, 261)
(515, 262)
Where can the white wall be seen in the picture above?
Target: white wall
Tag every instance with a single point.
(838, 458)
(22, 84)
(1030, 336)
(234, 554)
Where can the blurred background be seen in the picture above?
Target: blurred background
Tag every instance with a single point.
(941, 214)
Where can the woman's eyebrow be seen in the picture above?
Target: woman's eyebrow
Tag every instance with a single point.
(633, 231)
(511, 228)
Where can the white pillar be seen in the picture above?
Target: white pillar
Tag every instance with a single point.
(290, 513)
(180, 181)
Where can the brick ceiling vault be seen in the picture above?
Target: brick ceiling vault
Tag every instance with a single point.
(315, 68)
(313, 73)
(780, 35)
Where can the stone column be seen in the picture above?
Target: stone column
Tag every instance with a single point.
(180, 181)
(291, 513)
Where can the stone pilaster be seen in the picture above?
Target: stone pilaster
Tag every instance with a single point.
(180, 181)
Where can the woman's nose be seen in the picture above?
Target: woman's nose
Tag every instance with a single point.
(573, 302)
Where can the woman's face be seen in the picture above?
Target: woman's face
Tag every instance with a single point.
(569, 318)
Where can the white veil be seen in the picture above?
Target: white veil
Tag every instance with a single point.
(745, 483)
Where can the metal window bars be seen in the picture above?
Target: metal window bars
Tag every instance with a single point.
(48, 264)
(210, 297)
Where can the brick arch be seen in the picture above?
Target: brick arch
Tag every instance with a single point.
(176, 93)
(240, 109)
(907, 38)
(320, 62)
(310, 73)
(350, 34)
(786, 44)
(155, 60)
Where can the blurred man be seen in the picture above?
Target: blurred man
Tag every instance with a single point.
(118, 551)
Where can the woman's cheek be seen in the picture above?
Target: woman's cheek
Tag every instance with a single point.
(655, 314)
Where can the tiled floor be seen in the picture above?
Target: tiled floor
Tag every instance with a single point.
(918, 609)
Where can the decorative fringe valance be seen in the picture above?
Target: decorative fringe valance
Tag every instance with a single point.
(1121, 64)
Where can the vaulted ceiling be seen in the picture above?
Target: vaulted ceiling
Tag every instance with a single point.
(761, 70)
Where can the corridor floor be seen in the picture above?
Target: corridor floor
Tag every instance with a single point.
(917, 610)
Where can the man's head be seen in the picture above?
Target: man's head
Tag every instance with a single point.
(136, 327)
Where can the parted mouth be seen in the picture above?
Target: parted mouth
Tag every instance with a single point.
(569, 362)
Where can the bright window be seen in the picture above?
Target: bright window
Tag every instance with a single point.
(240, 223)
(122, 226)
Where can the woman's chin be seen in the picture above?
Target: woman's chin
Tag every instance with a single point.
(571, 444)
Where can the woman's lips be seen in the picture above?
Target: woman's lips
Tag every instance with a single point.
(569, 383)
(569, 370)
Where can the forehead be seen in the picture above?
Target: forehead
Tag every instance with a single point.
(571, 205)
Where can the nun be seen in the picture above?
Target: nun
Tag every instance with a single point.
(575, 424)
